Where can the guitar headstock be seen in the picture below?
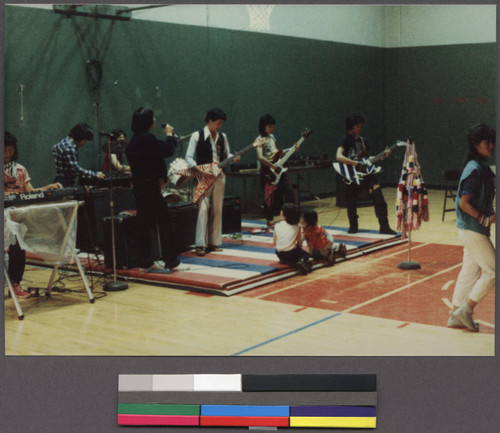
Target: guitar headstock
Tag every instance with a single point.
(306, 132)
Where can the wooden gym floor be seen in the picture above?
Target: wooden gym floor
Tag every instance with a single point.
(363, 307)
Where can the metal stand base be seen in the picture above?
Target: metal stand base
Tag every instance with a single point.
(115, 286)
(409, 265)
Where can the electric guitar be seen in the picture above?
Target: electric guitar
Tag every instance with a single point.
(206, 174)
(273, 174)
(351, 173)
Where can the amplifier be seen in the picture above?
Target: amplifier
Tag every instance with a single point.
(90, 216)
(125, 242)
(231, 215)
(183, 216)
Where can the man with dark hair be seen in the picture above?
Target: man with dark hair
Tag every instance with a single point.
(145, 154)
(352, 148)
(66, 156)
(205, 147)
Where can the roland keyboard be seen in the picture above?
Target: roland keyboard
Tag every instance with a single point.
(51, 195)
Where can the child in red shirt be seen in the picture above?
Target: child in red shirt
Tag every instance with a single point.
(320, 243)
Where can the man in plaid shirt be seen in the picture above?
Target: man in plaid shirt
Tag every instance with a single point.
(66, 156)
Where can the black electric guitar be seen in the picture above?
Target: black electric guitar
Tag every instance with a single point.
(351, 173)
(273, 174)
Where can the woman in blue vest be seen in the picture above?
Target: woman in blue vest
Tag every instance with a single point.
(475, 214)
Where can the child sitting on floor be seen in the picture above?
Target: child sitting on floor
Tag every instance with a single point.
(287, 239)
(320, 243)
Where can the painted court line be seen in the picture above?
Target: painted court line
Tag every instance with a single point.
(348, 310)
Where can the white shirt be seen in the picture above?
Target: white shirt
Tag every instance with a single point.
(193, 143)
(286, 236)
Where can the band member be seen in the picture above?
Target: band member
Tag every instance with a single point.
(16, 179)
(210, 146)
(352, 148)
(66, 156)
(113, 161)
(266, 155)
(146, 154)
(475, 214)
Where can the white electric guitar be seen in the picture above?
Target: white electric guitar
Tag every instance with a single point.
(351, 173)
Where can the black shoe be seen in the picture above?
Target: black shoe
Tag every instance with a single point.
(302, 267)
(353, 229)
(387, 231)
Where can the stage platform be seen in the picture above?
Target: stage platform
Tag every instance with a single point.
(248, 260)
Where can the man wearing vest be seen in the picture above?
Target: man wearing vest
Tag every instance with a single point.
(205, 147)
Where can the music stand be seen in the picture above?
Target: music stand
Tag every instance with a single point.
(113, 286)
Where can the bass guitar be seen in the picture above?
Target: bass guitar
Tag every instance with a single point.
(356, 174)
(273, 174)
(206, 174)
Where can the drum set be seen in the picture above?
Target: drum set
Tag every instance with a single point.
(178, 189)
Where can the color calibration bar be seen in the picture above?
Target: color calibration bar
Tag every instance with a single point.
(309, 400)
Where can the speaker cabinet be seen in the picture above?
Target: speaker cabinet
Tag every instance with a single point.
(231, 215)
(126, 242)
(90, 235)
(183, 217)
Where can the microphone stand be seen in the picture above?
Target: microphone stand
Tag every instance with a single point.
(113, 286)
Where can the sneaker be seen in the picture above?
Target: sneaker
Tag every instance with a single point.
(181, 267)
(19, 291)
(342, 251)
(212, 248)
(156, 266)
(155, 270)
(453, 322)
(331, 257)
(464, 315)
(200, 251)
(352, 229)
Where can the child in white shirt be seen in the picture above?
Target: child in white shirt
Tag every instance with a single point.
(287, 239)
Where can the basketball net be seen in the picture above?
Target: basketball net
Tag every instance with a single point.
(259, 16)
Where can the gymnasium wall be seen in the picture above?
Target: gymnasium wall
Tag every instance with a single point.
(433, 93)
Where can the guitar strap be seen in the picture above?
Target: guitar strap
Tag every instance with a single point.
(360, 145)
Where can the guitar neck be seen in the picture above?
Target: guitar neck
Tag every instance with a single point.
(231, 158)
(380, 155)
(290, 151)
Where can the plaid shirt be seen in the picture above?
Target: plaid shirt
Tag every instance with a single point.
(66, 158)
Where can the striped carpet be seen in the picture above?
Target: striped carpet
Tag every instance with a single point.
(248, 260)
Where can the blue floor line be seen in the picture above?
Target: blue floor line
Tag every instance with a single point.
(285, 335)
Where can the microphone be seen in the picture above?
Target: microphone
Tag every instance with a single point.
(106, 134)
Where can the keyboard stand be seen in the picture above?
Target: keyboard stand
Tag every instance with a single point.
(67, 225)
(13, 295)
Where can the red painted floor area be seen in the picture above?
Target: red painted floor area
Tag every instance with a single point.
(378, 288)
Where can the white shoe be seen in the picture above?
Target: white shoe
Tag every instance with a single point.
(464, 315)
(181, 267)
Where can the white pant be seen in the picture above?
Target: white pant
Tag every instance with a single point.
(210, 218)
(477, 276)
